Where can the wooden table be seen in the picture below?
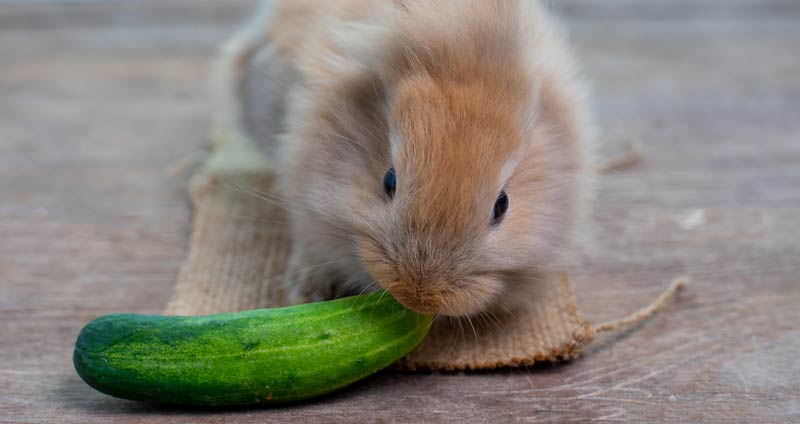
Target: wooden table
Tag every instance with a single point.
(99, 98)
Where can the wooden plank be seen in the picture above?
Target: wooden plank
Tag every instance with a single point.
(99, 98)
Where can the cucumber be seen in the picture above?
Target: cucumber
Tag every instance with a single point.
(249, 357)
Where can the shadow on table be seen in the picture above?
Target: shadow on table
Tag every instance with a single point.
(75, 395)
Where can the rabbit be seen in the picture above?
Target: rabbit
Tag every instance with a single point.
(437, 149)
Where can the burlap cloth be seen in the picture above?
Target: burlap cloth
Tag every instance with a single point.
(239, 246)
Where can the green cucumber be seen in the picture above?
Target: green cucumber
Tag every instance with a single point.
(249, 357)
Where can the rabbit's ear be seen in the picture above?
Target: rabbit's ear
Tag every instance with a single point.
(344, 49)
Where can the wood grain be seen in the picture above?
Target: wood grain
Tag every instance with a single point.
(99, 98)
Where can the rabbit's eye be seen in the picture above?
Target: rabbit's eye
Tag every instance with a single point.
(390, 183)
(500, 208)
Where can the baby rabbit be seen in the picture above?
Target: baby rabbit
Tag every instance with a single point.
(433, 148)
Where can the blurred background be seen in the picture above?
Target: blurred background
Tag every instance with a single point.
(102, 101)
